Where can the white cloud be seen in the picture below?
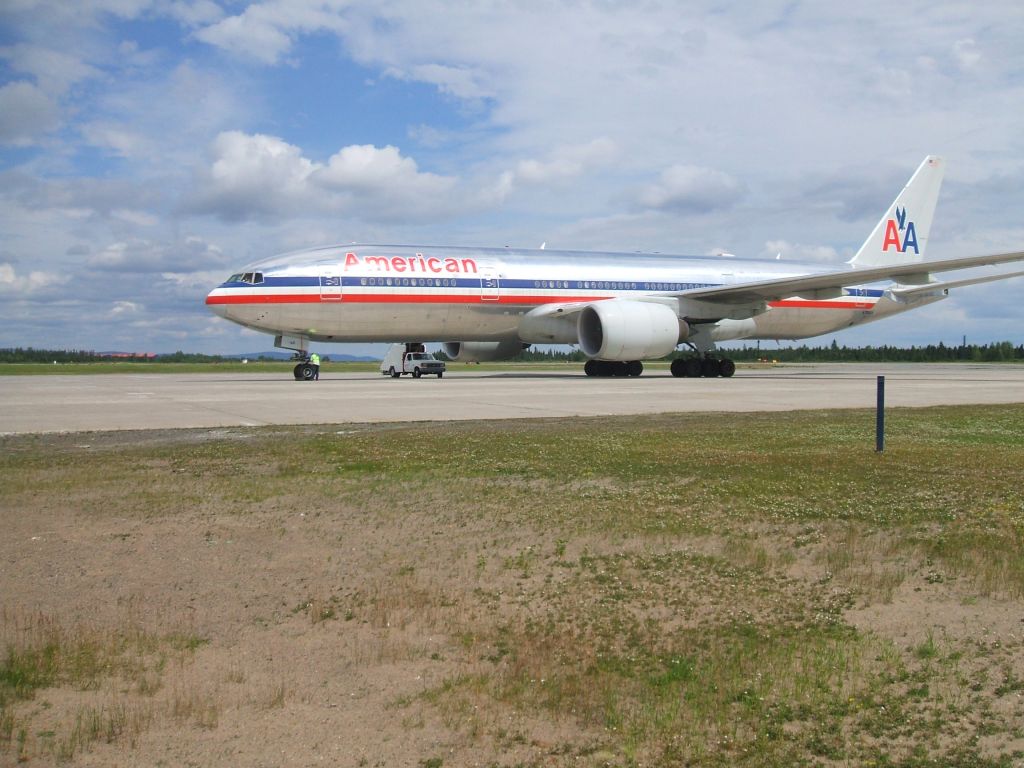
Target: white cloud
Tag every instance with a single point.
(798, 252)
(461, 82)
(140, 255)
(966, 53)
(119, 138)
(562, 165)
(266, 31)
(196, 12)
(12, 283)
(26, 114)
(691, 189)
(54, 71)
(122, 308)
(567, 162)
(259, 176)
(256, 175)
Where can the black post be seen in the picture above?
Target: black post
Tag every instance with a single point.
(880, 416)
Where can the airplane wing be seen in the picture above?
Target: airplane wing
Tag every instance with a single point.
(834, 282)
(716, 300)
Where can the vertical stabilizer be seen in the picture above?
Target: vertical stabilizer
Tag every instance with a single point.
(902, 234)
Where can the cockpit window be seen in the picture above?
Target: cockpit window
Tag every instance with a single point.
(252, 278)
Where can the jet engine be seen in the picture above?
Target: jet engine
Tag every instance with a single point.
(482, 351)
(629, 330)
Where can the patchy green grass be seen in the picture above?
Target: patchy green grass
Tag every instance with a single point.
(949, 483)
(39, 652)
(676, 591)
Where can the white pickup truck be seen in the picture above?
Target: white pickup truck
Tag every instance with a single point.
(410, 358)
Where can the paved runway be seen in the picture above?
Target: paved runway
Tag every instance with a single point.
(162, 401)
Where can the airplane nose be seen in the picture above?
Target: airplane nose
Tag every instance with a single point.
(218, 308)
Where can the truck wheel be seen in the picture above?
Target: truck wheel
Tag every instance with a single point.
(393, 372)
(416, 373)
(439, 375)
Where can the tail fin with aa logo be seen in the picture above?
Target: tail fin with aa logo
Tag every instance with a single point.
(901, 235)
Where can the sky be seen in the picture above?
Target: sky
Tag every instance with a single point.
(149, 148)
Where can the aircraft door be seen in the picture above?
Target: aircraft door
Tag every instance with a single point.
(330, 284)
(490, 284)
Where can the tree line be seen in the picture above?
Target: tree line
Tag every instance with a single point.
(1000, 351)
(31, 355)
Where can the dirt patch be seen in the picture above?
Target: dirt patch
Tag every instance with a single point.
(250, 623)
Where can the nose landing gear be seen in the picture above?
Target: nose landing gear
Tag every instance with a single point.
(303, 372)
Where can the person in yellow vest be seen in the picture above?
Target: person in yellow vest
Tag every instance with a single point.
(314, 360)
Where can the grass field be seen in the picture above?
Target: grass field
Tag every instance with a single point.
(756, 590)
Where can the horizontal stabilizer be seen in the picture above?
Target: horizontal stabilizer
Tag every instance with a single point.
(928, 287)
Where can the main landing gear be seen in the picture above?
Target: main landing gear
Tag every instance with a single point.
(683, 367)
(707, 367)
(303, 370)
(613, 368)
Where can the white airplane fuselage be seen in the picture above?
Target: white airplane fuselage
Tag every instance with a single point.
(371, 293)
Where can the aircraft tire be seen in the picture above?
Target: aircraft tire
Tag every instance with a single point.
(307, 372)
(726, 368)
(692, 368)
(297, 372)
(678, 367)
(619, 369)
(590, 368)
(416, 373)
(634, 368)
(709, 368)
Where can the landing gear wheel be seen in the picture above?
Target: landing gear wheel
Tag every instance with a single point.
(709, 368)
(307, 372)
(692, 368)
(634, 368)
(678, 367)
(590, 368)
(619, 369)
(726, 368)
(394, 374)
(416, 373)
(297, 372)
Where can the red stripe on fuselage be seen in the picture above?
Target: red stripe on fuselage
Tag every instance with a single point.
(266, 298)
(806, 304)
(394, 298)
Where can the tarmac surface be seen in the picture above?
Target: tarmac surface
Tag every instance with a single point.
(31, 404)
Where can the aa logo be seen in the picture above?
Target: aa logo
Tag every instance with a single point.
(900, 233)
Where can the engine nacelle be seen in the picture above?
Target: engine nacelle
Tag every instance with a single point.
(629, 330)
(482, 351)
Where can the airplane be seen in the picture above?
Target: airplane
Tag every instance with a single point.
(487, 304)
